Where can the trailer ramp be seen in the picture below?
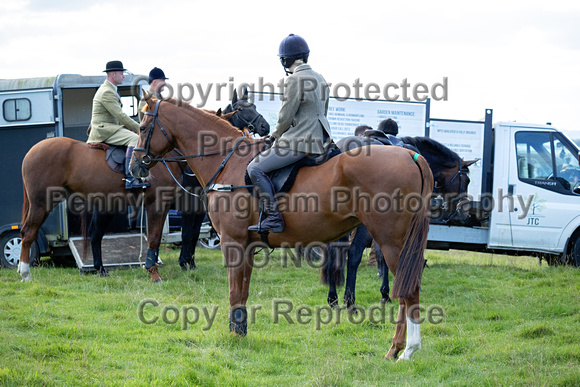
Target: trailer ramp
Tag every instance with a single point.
(120, 251)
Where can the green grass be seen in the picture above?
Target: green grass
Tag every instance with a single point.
(507, 321)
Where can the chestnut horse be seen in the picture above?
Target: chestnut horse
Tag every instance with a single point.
(340, 187)
(451, 176)
(59, 167)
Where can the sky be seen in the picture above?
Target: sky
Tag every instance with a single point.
(519, 58)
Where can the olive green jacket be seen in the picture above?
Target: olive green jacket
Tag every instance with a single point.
(108, 115)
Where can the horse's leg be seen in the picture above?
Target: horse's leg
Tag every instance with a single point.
(384, 270)
(197, 222)
(392, 254)
(187, 219)
(156, 214)
(400, 331)
(330, 252)
(360, 242)
(97, 227)
(35, 210)
(191, 225)
(192, 216)
(413, 326)
(31, 223)
(240, 261)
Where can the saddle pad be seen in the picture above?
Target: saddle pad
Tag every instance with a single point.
(114, 155)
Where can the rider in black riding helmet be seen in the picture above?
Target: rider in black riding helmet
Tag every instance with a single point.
(302, 128)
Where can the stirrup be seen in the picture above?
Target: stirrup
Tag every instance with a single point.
(134, 183)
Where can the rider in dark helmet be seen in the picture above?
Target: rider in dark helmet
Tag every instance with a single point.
(302, 128)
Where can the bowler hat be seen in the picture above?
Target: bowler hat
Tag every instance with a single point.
(156, 73)
(114, 65)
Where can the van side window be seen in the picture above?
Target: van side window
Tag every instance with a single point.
(547, 160)
(17, 109)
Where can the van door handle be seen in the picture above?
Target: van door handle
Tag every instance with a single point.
(511, 193)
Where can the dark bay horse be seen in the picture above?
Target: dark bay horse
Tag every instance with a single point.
(451, 176)
(219, 156)
(61, 167)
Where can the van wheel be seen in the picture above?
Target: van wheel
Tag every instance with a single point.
(574, 258)
(10, 245)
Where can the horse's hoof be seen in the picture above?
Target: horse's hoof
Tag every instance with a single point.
(332, 302)
(385, 300)
(239, 321)
(24, 271)
(103, 272)
(154, 273)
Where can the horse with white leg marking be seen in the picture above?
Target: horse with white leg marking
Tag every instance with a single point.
(221, 167)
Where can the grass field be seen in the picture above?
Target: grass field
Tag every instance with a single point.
(507, 321)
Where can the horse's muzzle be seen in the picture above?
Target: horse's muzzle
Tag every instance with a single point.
(138, 169)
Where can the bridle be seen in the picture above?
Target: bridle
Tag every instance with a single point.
(461, 174)
(149, 157)
(240, 119)
(247, 124)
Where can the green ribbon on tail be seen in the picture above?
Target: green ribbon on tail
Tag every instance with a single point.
(416, 157)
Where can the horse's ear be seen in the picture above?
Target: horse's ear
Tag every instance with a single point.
(465, 164)
(245, 93)
(235, 97)
(146, 95)
(219, 112)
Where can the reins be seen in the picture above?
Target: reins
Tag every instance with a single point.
(210, 186)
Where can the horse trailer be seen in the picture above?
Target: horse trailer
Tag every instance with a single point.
(34, 109)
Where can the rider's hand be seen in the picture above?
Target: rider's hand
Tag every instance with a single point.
(269, 140)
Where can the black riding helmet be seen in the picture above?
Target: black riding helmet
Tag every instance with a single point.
(293, 47)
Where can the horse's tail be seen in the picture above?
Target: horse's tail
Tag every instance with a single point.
(412, 261)
(333, 265)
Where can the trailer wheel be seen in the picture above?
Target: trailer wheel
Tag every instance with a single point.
(10, 245)
(574, 258)
(213, 242)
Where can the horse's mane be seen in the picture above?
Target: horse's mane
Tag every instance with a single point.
(433, 151)
(209, 115)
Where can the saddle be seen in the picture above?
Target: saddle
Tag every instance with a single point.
(388, 139)
(114, 155)
(283, 179)
(385, 139)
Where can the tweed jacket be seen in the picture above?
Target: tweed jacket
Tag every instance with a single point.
(108, 116)
(302, 119)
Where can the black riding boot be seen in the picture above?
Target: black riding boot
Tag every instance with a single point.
(130, 181)
(273, 220)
